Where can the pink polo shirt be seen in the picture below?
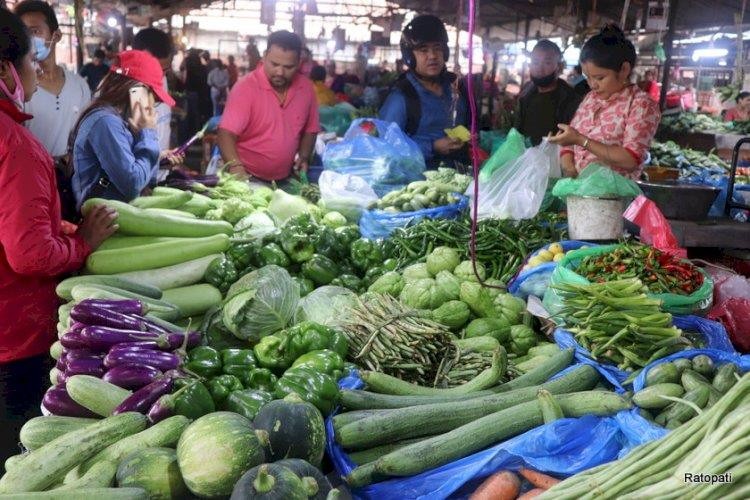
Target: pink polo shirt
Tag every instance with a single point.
(268, 132)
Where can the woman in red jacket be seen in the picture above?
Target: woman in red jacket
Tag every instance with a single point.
(34, 252)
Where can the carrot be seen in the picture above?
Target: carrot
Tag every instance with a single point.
(503, 485)
(532, 494)
(538, 479)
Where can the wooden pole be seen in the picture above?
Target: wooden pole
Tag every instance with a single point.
(457, 48)
(739, 76)
(78, 24)
(668, 47)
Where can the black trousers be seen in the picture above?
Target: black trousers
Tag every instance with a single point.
(22, 385)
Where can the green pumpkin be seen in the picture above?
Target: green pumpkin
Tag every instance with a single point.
(269, 482)
(308, 473)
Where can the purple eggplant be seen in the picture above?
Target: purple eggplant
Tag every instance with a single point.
(99, 337)
(177, 339)
(143, 345)
(131, 376)
(127, 306)
(153, 327)
(85, 366)
(99, 316)
(61, 363)
(58, 402)
(77, 326)
(162, 409)
(158, 359)
(73, 340)
(142, 399)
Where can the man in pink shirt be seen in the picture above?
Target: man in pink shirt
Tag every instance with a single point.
(271, 117)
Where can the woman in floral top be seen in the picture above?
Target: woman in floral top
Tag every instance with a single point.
(616, 121)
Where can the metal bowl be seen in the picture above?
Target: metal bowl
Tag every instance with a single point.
(681, 201)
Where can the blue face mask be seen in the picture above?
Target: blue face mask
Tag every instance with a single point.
(42, 48)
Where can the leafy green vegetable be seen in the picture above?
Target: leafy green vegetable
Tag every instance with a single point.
(317, 306)
(254, 226)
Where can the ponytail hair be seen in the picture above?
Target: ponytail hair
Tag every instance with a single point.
(610, 49)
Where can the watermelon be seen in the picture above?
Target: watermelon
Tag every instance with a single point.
(215, 451)
(156, 471)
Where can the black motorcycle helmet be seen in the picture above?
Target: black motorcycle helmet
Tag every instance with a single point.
(422, 29)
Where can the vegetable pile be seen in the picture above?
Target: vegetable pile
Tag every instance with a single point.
(443, 186)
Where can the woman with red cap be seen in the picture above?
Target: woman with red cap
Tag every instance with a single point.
(116, 149)
(34, 251)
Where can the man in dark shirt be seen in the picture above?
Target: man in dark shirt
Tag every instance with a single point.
(95, 70)
(547, 100)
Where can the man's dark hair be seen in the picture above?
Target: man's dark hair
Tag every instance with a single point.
(155, 41)
(318, 74)
(578, 69)
(742, 95)
(14, 38)
(38, 6)
(549, 46)
(99, 54)
(285, 40)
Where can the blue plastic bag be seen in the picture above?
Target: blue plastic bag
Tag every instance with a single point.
(721, 181)
(564, 447)
(375, 224)
(536, 280)
(387, 162)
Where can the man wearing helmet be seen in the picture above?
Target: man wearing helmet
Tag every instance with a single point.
(426, 100)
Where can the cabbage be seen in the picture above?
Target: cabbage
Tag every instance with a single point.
(465, 271)
(319, 306)
(449, 283)
(260, 303)
(442, 259)
(284, 206)
(254, 226)
(415, 272)
(423, 294)
(390, 283)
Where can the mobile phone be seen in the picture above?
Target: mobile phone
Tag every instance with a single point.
(142, 95)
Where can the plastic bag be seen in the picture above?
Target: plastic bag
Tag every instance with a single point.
(564, 447)
(655, 228)
(734, 314)
(337, 118)
(732, 287)
(375, 224)
(598, 181)
(512, 147)
(386, 162)
(490, 140)
(517, 190)
(698, 302)
(345, 193)
(535, 281)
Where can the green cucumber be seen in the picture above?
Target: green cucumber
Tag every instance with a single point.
(39, 431)
(100, 475)
(154, 256)
(682, 412)
(726, 377)
(14, 461)
(193, 300)
(651, 396)
(49, 464)
(691, 380)
(682, 364)
(116, 242)
(176, 212)
(173, 200)
(65, 288)
(703, 365)
(551, 410)
(56, 350)
(96, 394)
(136, 222)
(366, 456)
(82, 494)
(663, 373)
(410, 422)
(178, 275)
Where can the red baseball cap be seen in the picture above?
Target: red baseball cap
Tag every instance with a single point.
(145, 68)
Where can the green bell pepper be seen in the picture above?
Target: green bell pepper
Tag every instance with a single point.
(320, 269)
(320, 389)
(247, 402)
(389, 265)
(310, 336)
(220, 387)
(192, 399)
(221, 273)
(297, 245)
(301, 223)
(243, 255)
(305, 285)
(366, 253)
(349, 281)
(261, 379)
(347, 235)
(323, 361)
(204, 361)
(272, 351)
(328, 244)
(273, 255)
(237, 361)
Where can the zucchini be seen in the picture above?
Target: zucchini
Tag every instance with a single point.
(82, 494)
(172, 200)
(171, 211)
(703, 365)
(343, 419)
(691, 380)
(682, 412)
(49, 464)
(65, 288)
(154, 256)
(39, 431)
(14, 461)
(405, 423)
(100, 475)
(95, 394)
(155, 307)
(367, 456)
(663, 373)
(546, 349)
(726, 377)
(488, 430)
(136, 222)
(178, 275)
(116, 242)
(651, 397)
(193, 299)
(551, 410)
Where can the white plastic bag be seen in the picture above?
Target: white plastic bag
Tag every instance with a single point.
(516, 190)
(345, 193)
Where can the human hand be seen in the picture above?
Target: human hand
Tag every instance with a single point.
(142, 117)
(446, 145)
(98, 225)
(568, 136)
(238, 170)
(300, 165)
(173, 158)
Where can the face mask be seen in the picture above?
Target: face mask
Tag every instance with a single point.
(545, 81)
(18, 96)
(42, 48)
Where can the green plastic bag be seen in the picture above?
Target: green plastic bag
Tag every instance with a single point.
(698, 302)
(337, 118)
(513, 147)
(490, 140)
(597, 181)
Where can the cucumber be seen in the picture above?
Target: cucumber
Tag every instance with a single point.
(682, 412)
(178, 275)
(530, 364)
(63, 313)
(343, 419)
(48, 465)
(651, 397)
(116, 242)
(56, 350)
(171, 211)
(14, 461)
(665, 373)
(172, 200)
(726, 377)
(39, 431)
(488, 430)
(691, 380)
(100, 475)
(551, 410)
(367, 456)
(95, 394)
(165, 433)
(544, 349)
(703, 365)
(136, 222)
(82, 494)
(193, 299)
(65, 288)
(410, 422)
(155, 307)
(682, 364)
(154, 256)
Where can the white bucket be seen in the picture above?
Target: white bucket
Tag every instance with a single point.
(595, 218)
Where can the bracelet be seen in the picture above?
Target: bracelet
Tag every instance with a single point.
(585, 143)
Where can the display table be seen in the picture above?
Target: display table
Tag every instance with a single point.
(715, 233)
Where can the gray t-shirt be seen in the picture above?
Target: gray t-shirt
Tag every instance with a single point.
(56, 115)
